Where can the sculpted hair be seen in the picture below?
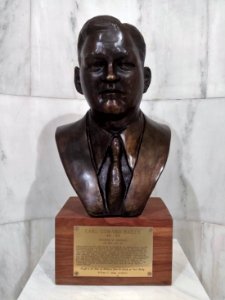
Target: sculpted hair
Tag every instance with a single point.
(103, 22)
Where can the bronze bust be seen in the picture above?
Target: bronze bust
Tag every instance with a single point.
(114, 155)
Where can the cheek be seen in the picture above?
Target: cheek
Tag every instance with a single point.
(135, 85)
(89, 84)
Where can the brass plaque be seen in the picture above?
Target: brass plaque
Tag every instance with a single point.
(113, 251)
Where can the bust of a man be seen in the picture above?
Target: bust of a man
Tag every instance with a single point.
(114, 155)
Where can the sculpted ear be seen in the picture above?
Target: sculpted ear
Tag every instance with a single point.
(147, 78)
(77, 80)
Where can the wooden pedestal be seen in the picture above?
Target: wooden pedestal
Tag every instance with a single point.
(155, 215)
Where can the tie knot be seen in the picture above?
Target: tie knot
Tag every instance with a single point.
(116, 148)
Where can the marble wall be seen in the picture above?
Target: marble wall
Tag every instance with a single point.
(186, 52)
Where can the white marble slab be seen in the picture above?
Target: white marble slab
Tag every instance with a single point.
(14, 259)
(41, 232)
(33, 182)
(192, 184)
(15, 47)
(216, 49)
(213, 260)
(175, 33)
(189, 235)
(53, 49)
(185, 284)
(176, 37)
(21, 246)
(204, 245)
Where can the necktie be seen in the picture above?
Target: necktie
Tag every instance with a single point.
(115, 185)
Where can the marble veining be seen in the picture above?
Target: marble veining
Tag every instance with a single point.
(53, 51)
(21, 246)
(14, 265)
(176, 38)
(15, 47)
(192, 246)
(185, 49)
(33, 178)
(34, 184)
(53, 48)
(216, 49)
(196, 153)
(213, 260)
(175, 34)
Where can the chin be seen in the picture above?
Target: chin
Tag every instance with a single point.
(113, 107)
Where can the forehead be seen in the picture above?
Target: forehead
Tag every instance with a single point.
(109, 40)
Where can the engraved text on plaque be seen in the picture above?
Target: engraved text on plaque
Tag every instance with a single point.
(113, 251)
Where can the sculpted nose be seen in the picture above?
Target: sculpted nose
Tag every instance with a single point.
(110, 76)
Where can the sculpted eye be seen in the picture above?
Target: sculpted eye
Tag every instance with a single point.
(96, 66)
(126, 66)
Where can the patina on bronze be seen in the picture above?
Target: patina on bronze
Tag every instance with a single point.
(114, 155)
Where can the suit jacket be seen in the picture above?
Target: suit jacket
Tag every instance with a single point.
(75, 155)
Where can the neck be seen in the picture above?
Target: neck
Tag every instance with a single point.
(112, 122)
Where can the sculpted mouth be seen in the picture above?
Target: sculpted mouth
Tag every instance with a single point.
(111, 91)
(112, 96)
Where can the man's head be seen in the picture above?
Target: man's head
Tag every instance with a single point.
(112, 75)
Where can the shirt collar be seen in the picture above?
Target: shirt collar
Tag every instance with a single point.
(100, 140)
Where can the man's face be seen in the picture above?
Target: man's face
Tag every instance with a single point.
(111, 72)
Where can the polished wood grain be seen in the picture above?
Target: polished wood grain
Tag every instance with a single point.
(155, 215)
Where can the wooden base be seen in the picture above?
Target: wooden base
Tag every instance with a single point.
(155, 215)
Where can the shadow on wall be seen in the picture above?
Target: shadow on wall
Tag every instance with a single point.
(47, 195)
(178, 193)
(188, 228)
(51, 187)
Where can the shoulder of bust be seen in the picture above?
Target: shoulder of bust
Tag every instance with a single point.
(161, 133)
(70, 132)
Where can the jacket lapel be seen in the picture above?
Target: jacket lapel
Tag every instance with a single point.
(75, 155)
(151, 161)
